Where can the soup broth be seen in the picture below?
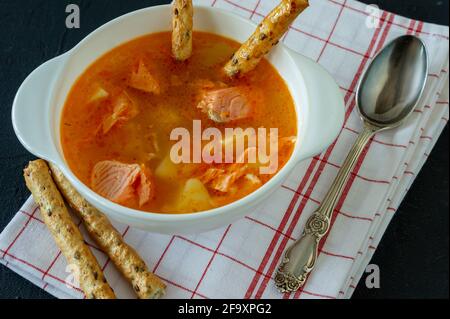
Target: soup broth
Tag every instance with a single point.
(116, 113)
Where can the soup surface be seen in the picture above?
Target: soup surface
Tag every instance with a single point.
(118, 118)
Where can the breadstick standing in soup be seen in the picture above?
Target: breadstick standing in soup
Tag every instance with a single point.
(182, 22)
(267, 35)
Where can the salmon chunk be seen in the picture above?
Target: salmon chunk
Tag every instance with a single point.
(124, 110)
(225, 105)
(223, 179)
(143, 80)
(121, 182)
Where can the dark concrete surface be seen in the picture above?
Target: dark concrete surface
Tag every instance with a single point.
(413, 255)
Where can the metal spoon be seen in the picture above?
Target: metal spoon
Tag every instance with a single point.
(386, 96)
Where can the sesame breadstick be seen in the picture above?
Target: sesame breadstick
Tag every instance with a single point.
(66, 234)
(145, 284)
(267, 35)
(182, 23)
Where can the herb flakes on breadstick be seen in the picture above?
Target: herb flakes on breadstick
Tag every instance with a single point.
(66, 234)
(145, 284)
(267, 35)
(182, 24)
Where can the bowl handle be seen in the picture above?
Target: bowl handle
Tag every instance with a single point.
(31, 116)
(326, 109)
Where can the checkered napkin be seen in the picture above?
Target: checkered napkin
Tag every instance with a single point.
(239, 260)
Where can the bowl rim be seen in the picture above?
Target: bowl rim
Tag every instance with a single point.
(254, 197)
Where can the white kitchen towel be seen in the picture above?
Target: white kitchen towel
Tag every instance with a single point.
(239, 260)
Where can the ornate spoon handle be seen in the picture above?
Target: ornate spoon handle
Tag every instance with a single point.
(300, 258)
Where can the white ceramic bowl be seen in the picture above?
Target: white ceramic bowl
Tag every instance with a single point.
(39, 102)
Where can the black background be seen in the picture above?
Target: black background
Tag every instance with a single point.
(413, 255)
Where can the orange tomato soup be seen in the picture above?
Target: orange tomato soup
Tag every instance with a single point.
(123, 108)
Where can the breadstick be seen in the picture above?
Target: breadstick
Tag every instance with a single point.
(267, 35)
(66, 234)
(145, 284)
(182, 23)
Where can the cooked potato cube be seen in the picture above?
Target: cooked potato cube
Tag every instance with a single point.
(166, 169)
(194, 197)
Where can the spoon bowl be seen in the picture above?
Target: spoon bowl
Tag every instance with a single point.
(393, 83)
